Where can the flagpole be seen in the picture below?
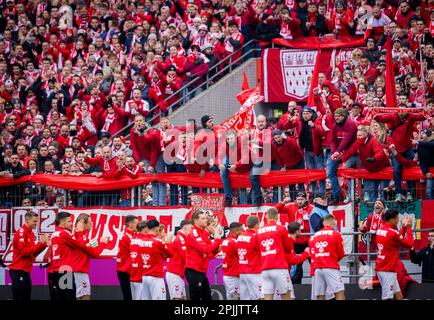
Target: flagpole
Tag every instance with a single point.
(422, 75)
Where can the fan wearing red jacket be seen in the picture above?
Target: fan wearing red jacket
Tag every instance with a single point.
(275, 244)
(231, 270)
(81, 259)
(200, 249)
(123, 258)
(154, 253)
(389, 241)
(25, 252)
(373, 222)
(175, 267)
(136, 271)
(249, 255)
(326, 250)
(108, 164)
(62, 257)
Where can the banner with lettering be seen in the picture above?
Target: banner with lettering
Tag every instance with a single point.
(110, 221)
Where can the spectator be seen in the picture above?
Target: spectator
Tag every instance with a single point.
(14, 170)
(426, 258)
(342, 137)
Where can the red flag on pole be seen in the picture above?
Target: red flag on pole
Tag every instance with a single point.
(390, 77)
(314, 81)
(245, 85)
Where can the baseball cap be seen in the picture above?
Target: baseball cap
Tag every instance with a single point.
(301, 194)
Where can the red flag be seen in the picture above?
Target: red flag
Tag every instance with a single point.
(314, 81)
(245, 85)
(390, 77)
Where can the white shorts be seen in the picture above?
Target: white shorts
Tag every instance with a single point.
(389, 284)
(153, 288)
(137, 290)
(327, 280)
(328, 295)
(232, 287)
(276, 281)
(250, 286)
(82, 284)
(176, 286)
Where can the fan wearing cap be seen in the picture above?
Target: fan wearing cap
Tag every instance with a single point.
(154, 253)
(325, 100)
(231, 158)
(341, 21)
(425, 152)
(372, 156)
(289, 155)
(356, 113)
(202, 37)
(343, 136)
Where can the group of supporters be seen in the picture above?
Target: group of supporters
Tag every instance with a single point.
(258, 259)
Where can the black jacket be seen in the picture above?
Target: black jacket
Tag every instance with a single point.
(426, 258)
(425, 152)
(18, 171)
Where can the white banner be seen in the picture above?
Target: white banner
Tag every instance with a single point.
(110, 222)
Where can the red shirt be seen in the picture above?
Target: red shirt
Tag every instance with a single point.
(178, 248)
(109, 169)
(136, 245)
(274, 244)
(389, 240)
(296, 214)
(123, 259)
(25, 250)
(230, 257)
(82, 259)
(292, 258)
(200, 249)
(153, 253)
(249, 253)
(62, 251)
(326, 248)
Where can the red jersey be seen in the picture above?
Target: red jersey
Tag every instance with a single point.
(25, 250)
(82, 259)
(326, 248)
(153, 253)
(292, 258)
(249, 253)
(230, 257)
(274, 244)
(178, 248)
(200, 249)
(136, 245)
(296, 214)
(389, 240)
(62, 251)
(123, 259)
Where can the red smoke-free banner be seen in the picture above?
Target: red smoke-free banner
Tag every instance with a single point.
(287, 72)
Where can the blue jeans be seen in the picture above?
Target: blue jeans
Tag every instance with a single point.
(255, 172)
(227, 189)
(429, 188)
(371, 187)
(292, 188)
(275, 167)
(158, 189)
(174, 194)
(331, 169)
(315, 162)
(397, 172)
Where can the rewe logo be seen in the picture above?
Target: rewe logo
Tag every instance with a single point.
(145, 258)
(241, 253)
(380, 248)
(321, 245)
(267, 243)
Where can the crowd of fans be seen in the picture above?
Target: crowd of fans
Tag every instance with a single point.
(73, 74)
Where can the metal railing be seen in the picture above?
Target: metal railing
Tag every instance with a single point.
(226, 64)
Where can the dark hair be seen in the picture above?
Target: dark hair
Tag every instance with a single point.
(390, 214)
(196, 214)
(252, 221)
(184, 223)
(31, 214)
(153, 224)
(293, 227)
(129, 219)
(235, 225)
(142, 225)
(272, 213)
(62, 215)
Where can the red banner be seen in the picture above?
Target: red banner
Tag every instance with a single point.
(245, 117)
(328, 42)
(286, 73)
(209, 180)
